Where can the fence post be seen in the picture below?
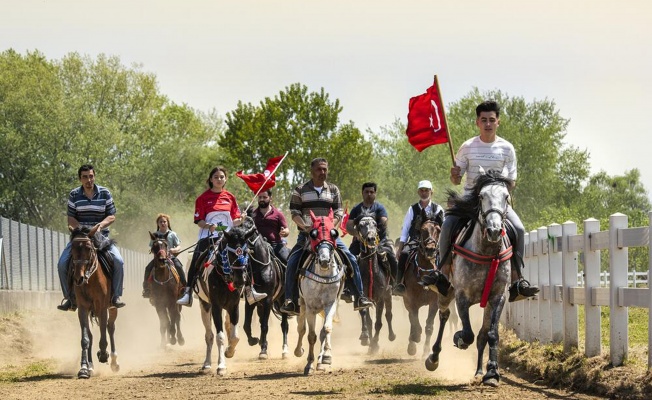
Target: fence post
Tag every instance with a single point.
(569, 272)
(531, 273)
(592, 324)
(545, 319)
(618, 315)
(649, 289)
(556, 298)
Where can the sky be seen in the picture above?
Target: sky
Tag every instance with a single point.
(592, 58)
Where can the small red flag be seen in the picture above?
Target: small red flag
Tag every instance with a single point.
(345, 219)
(426, 119)
(256, 182)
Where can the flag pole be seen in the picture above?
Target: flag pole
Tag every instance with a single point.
(448, 134)
(266, 179)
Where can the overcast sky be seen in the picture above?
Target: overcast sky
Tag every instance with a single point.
(592, 58)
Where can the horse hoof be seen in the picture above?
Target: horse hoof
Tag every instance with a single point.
(298, 352)
(493, 382)
(181, 341)
(308, 370)
(459, 342)
(102, 356)
(84, 373)
(321, 367)
(262, 356)
(364, 342)
(253, 341)
(284, 355)
(412, 348)
(327, 360)
(173, 341)
(115, 367)
(221, 371)
(230, 352)
(392, 337)
(431, 365)
(205, 368)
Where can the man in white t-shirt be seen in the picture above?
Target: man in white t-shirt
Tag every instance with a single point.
(486, 152)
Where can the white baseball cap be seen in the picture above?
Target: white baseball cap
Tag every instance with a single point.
(425, 185)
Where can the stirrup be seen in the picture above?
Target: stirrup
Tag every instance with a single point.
(290, 308)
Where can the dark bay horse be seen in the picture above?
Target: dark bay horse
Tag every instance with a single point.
(375, 273)
(320, 286)
(92, 287)
(481, 269)
(420, 262)
(165, 289)
(224, 273)
(269, 277)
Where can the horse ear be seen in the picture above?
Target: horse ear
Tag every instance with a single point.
(313, 217)
(166, 235)
(94, 230)
(481, 170)
(151, 235)
(70, 228)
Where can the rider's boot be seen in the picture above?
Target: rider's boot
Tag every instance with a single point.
(186, 298)
(520, 289)
(116, 302)
(289, 307)
(253, 296)
(67, 304)
(399, 288)
(437, 280)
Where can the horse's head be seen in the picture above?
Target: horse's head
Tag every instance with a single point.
(83, 253)
(493, 198)
(368, 230)
(234, 253)
(322, 238)
(160, 247)
(429, 226)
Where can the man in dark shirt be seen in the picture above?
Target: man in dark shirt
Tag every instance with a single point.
(272, 225)
(320, 197)
(370, 205)
(90, 205)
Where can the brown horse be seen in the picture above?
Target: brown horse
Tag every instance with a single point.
(166, 287)
(92, 287)
(421, 262)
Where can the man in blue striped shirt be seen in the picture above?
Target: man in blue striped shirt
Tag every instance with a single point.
(90, 205)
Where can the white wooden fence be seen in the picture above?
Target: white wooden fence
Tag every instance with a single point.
(551, 263)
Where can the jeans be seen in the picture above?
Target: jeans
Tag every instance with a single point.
(295, 257)
(281, 251)
(116, 280)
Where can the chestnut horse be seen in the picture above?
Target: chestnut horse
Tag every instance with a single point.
(166, 286)
(92, 287)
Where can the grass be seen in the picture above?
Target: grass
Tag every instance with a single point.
(12, 373)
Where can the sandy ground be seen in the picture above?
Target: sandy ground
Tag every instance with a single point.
(148, 372)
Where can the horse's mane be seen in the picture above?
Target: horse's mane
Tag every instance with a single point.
(469, 206)
(99, 242)
(239, 234)
(365, 214)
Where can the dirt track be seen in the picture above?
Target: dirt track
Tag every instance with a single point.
(150, 373)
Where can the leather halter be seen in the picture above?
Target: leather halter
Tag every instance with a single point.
(92, 260)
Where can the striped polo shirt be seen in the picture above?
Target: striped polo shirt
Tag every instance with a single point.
(89, 212)
(305, 198)
(498, 155)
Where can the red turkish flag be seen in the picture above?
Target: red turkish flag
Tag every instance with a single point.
(345, 219)
(426, 119)
(264, 181)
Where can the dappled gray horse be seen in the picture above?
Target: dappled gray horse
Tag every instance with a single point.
(481, 270)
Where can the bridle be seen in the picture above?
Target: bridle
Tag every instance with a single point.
(92, 259)
(363, 238)
(483, 214)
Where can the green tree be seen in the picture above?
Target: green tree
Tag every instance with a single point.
(307, 125)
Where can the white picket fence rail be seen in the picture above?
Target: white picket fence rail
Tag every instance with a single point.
(551, 263)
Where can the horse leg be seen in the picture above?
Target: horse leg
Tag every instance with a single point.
(326, 355)
(464, 338)
(312, 339)
(172, 326)
(86, 337)
(415, 330)
(432, 361)
(220, 339)
(102, 354)
(113, 315)
(231, 326)
(163, 324)
(430, 327)
(177, 312)
(301, 328)
(492, 377)
(285, 327)
(388, 315)
(366, 322)
(380, 307)
(249, 311)
(263, 315)
(208, 334)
